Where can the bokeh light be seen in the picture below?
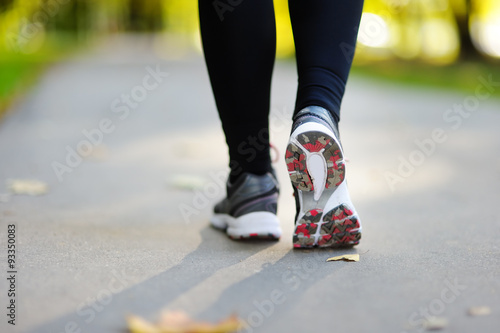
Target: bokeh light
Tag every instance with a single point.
(484, 26)
(374, 31)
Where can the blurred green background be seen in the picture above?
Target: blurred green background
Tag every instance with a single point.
(444, 43)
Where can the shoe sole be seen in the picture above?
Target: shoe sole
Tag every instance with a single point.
(316, 168)
(257, 225)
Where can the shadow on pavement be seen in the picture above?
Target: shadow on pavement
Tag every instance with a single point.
(277, 287)
(153, 294)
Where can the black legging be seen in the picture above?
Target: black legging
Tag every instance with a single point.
(239, 41)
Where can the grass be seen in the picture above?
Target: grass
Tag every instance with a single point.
(19, 71)
(462, 76)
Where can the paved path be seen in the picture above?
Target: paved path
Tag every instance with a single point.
(109, 238)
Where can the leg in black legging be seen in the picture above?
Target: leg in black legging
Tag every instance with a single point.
(239, 42)
(325, 33)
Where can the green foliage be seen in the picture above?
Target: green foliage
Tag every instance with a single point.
(18, 71)
(462, 76)
(416, 30)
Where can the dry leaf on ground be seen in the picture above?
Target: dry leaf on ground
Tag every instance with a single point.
(187, 182)
(479, 311)
(435, 323)
(99, 153)
(180, 322)
(27, 186)
(345, 257)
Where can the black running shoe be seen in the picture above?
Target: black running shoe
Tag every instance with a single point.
(249, 210)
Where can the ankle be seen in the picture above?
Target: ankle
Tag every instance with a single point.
(317, 114)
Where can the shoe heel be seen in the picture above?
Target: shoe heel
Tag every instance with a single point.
(340, 227)
(306, 229)
(299, 152)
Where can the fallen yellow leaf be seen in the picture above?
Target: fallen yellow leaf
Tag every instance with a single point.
(345, 257)
(479, 311)
(435, 323)
(139, 325)
(180, 322)
(27, 186)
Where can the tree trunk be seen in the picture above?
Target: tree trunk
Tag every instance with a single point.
(468, 50)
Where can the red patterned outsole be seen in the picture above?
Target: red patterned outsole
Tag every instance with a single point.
(255, 237)
(331, 231)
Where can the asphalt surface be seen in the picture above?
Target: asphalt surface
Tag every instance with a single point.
(125, 229)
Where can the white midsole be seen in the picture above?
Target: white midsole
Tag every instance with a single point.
(260, 223)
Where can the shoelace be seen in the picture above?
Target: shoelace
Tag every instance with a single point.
(276, 153)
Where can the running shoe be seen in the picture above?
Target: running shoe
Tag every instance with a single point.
(325, 215)
(249, 210)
